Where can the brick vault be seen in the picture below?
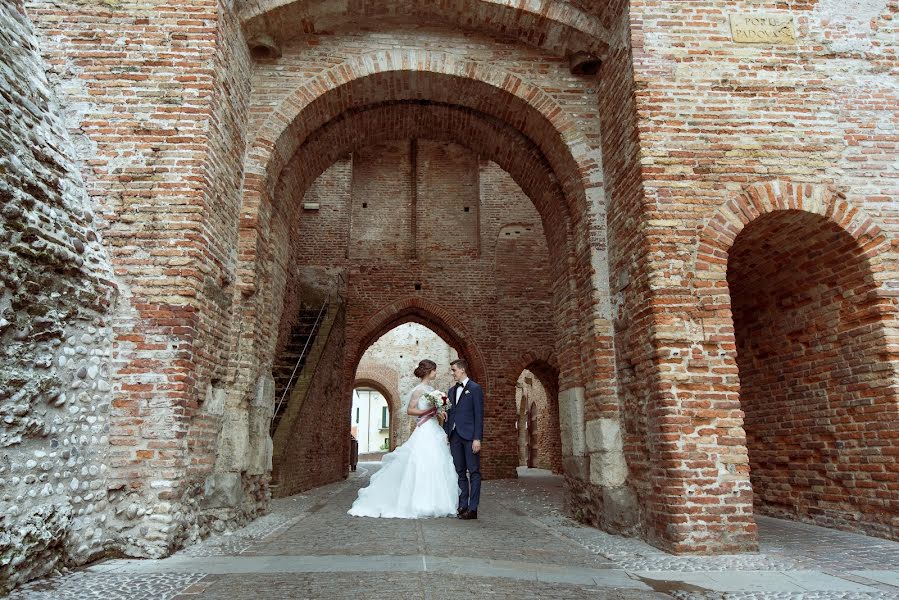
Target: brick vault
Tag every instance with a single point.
(687, 239)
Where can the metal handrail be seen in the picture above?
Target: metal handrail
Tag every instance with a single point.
(341, 278)
(309, 339)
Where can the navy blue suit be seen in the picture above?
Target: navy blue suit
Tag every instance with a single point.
(464, 424)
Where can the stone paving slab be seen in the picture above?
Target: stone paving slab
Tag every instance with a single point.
(451, 566)
(820, 547)
(762, 581)
(680, 595)
(396, 586)
(890, 578)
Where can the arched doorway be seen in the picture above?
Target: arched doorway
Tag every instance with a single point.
(371, 418)
(809, 336)
(444, 123)
(390, 360)
(407, 333)
(539, 434)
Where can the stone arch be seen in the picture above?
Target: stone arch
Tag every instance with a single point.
(791, 285)
(544, 367)
(557, 27)
(427, 313)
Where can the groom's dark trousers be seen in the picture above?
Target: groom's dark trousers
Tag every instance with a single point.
(466, 460)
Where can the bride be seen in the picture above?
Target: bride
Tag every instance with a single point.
(418, 479)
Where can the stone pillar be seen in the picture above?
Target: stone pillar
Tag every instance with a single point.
(608, 471)
(571, 424)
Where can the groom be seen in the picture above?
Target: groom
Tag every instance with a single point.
(464, 427)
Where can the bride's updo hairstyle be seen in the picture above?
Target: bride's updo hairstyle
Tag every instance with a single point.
(425, 367)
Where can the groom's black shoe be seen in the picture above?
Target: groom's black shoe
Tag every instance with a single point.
(461, 511)
(469, 515)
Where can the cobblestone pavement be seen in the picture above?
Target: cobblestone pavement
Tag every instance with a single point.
(521, 547)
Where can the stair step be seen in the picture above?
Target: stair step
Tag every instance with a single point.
(287, 367)
(292, 352)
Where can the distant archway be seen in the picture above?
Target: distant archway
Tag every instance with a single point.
(364, 382)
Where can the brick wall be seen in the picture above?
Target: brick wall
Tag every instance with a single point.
(724, 129)
(382, 205)
(815, 390)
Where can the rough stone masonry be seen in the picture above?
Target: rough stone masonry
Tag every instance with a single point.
(56, 301)
(684, 231)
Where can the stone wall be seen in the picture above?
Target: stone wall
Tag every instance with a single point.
(155, 96)
(56, 300)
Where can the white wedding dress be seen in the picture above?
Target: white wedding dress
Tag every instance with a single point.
(417, 480)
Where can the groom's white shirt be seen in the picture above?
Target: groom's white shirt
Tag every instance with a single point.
(464, 382)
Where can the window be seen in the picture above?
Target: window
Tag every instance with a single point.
(384, 423)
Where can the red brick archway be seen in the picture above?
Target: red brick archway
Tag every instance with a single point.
(546, 153)
(396, 76)
(400, 75)
(456, 334)
(788, 279)
(761, 198)
(426, 313)
(559, 28)
(386, 381)
(513, 152)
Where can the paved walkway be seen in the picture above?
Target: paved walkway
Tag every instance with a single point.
(521, 547)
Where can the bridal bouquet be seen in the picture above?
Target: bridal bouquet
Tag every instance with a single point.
(438, 400)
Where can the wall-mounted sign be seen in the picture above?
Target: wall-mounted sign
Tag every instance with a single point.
(762, 28)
